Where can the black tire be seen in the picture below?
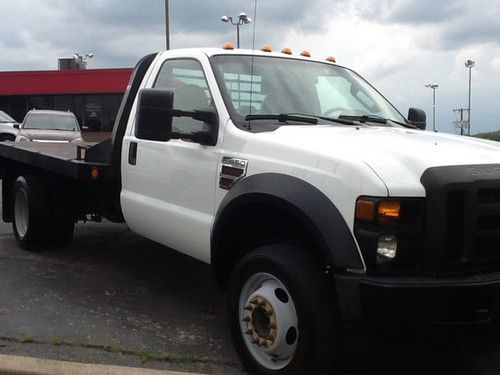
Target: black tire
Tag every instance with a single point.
(40, 220)
(30, 206)
(299, 287)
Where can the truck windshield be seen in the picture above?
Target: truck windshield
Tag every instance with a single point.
(274, 86)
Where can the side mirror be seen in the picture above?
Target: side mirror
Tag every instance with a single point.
(16, 126)
(417, 118)
(154, 115)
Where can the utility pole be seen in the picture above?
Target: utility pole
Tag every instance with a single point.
(167, 25)
(469, 64)
(433, 86)
(461, 121)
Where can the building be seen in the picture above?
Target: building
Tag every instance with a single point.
(93, 95)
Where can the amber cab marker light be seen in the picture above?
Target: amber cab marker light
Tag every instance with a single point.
(266, 48)
(228, 45)
(389, 209)
(305, 54)
(331, 59)
(365, 210)
(287, 51)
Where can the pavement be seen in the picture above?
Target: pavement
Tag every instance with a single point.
(16, 365)
(112, 298)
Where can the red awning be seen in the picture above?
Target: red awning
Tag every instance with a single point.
(90, 81)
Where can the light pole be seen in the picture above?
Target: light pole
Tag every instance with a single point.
(167, 25)
(433, 86)
(243, 19)
(82, 59)
(469, 64)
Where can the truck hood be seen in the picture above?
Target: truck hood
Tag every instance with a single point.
(398, 156)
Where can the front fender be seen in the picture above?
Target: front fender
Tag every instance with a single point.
(301, 199)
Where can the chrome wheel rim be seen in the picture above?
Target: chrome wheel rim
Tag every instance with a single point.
(21, 212)
(268, 321)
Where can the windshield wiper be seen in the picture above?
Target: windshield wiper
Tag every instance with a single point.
(376, 119)
(403, 124)
(303, 117)
(284, 117)
(365, 118)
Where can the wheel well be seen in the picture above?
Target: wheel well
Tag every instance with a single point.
(257, 224)
(7, 137)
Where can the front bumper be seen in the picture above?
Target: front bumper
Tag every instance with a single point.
(409, 300)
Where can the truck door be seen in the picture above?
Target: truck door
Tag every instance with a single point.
(168, 187)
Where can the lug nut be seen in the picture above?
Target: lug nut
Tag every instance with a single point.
(249, 308)
(247, 319)
(249, 332)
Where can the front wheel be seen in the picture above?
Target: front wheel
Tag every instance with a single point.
(282, 312)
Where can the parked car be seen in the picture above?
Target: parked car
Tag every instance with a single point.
(49, 126)
(7, 130)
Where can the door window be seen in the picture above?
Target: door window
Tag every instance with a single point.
(187, 81)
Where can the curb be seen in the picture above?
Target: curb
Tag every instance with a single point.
(15, 365)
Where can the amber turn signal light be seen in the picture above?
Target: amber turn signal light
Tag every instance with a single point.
(389, 209)
(365, 210)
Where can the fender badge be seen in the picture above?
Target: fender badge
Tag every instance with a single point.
(232, 170)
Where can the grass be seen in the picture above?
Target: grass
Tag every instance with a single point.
(26, 339)
(114, 349)
(493, 136)
(146, 356)
(188, 359)
(55, 341)
(143, 355)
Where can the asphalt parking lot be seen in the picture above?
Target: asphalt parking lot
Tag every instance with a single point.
(115, 298)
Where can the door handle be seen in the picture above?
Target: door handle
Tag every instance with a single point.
(132, 153)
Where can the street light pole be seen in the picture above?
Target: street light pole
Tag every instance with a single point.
(167, 25)
(243, 19)
(433, 86)
(469, 64)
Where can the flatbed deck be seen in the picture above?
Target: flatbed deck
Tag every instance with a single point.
(64, 159)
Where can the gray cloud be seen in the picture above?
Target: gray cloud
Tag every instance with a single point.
(457, 23)
(119, 32)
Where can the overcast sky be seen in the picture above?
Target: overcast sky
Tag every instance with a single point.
(397, 45)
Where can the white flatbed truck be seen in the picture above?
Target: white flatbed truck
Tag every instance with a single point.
(313, 198)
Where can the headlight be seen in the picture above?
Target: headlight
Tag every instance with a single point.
(387, 247)
(389, 232)
(21, 138)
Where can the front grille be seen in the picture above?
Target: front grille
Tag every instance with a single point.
(462, 219)
(473, 230)
(488, 224)
(488, 196)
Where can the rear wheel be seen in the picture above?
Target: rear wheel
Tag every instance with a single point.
(29, 204)
(40, 218)
(282, 312)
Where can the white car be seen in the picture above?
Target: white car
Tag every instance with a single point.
(49, 126)
(7, 130)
